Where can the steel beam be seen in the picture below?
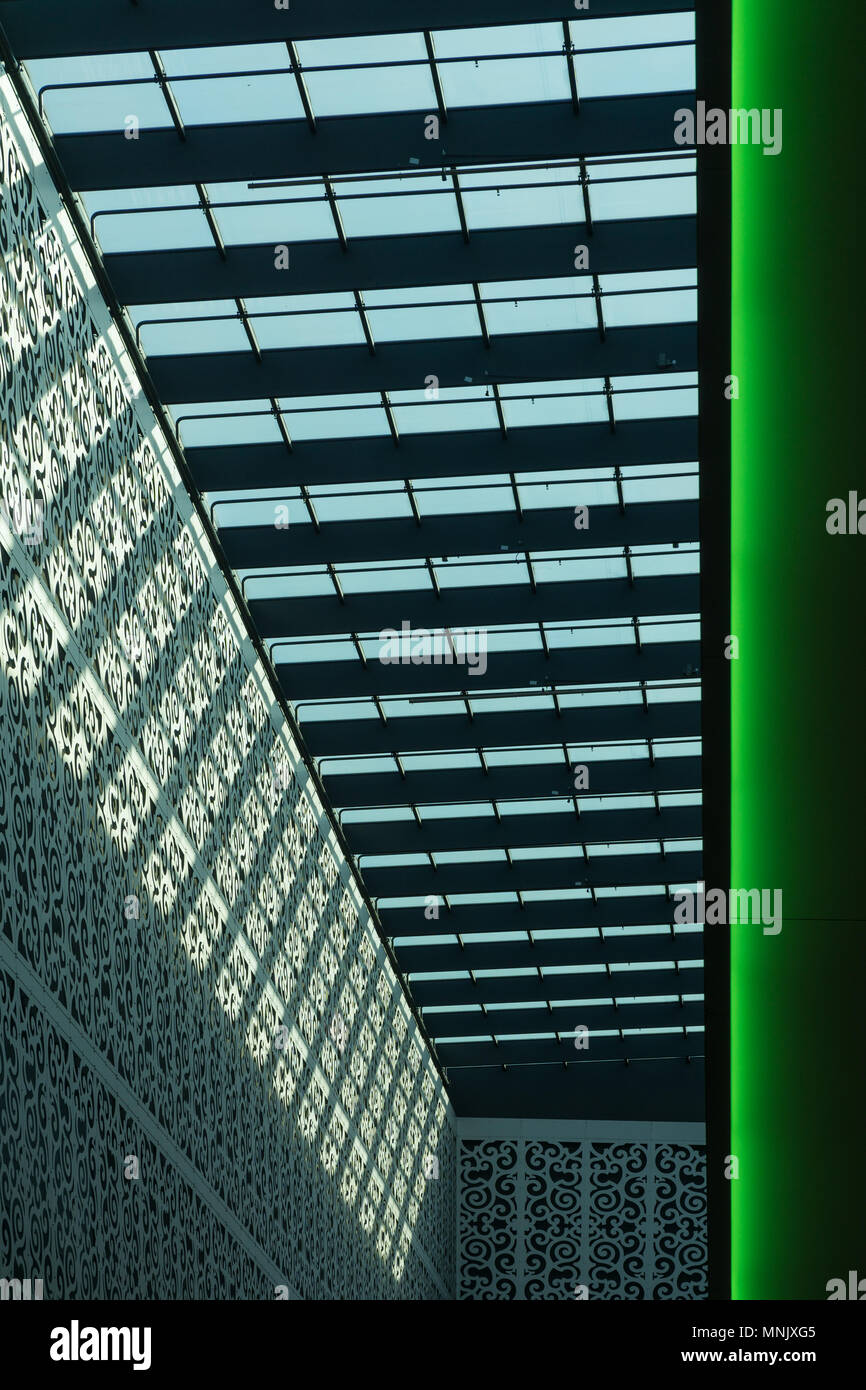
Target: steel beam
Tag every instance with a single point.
(298, 372)
(402, 538)
(531, 875)
(394, 262)
(620, 984)
(446, 732)
(519, 782)
(481, 606)
(359, 144)
(562, 1020)
(446, 454)
(511, 670)
(42, 29)
(633, 910)
(561, 827)
(604, 1087)
(597, 984)
(523, 954)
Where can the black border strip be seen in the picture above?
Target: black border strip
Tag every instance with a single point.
(713, 85)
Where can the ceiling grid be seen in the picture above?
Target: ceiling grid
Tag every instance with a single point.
(421, 303)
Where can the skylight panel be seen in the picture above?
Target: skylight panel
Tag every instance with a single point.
(272, 213)
(474, 1038)
(372, 580)
(632, 72)
(511, 703)
(587, 566)
(678, 629)
(509, 1006)
(673, 799)
(482, 810)
(439, 975)
(687, 691)
(489, 498)
(593, 699)
(147, 219)
(574, 402)
(504, 82)
(204, 423)
(214, 100)
(597, 850)
(426, 319)
(194, 326)
(399, 204)
(469, 856)
(588, 32)
(655, 306)
(679, 397)
(534, 853)
(523, 197)
(349, 88)
(473, 76)
(115, 108)
(83, 107)
(522, 757)
(317, 649)
(679, 486)
(470, 574)
(334, 417)
(529, 306)
(304, 584)
(440, 940)
(305, 320)
(423, 707)
(562, 493)
(510, 639)
(470, 407)
(91, 67)
(358, 765)
(681, 561)
(643, 187)
(607, 752)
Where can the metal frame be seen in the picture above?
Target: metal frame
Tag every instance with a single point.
(553, 709)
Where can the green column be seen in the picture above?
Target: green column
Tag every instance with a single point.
(798, 999)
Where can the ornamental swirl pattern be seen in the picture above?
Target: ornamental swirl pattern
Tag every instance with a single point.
(559, 1219)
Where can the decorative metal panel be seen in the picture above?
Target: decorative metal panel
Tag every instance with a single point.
(210, 1082)
(580, 1219)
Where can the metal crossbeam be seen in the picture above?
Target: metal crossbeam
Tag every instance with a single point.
(362, 143)
(39, 29)
(621, 984)
(522, 954)
(492, 533)
(520, 781)
(545, 448)
(404, 366)
(477, 607)
(529, 875)
(526, 671)
(516, 831)
(395, 262)
(562, 1020)
(595, 724)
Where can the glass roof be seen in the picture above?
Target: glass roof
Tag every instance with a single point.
(443, 413)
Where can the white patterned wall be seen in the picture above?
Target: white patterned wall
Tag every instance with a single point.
(145, 768)
(555, 1218)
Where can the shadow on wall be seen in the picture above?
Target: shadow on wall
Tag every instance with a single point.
(208, 1078)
